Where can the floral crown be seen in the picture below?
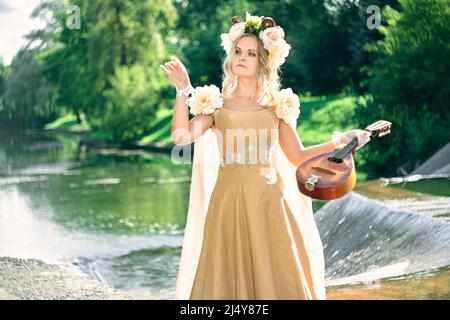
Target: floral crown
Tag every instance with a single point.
(266, 29)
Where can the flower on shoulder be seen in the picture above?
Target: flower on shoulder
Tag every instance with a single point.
(287, 105)
(205, 100)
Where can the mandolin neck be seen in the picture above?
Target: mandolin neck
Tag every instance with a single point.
(376, 129)
(342, 153)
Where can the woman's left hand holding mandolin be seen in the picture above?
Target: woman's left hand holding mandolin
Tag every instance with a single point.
(340, 138)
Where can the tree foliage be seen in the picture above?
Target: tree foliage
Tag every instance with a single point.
(410, 85)
(108, 68)
(28, 99)
(86, 63)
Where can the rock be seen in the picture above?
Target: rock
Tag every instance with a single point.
(31, 279)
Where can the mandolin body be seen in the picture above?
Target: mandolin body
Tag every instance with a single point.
(322, 179)
(332, 175)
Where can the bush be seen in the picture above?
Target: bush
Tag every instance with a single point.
(411, 86)
(131, 103)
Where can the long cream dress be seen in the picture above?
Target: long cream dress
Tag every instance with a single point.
(254, 245)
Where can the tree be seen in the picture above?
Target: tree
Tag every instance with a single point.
(28, 99)
(3, 75)
(83, 62)
(197, 41)
(355, 21)
(410, 86)
(131, 102)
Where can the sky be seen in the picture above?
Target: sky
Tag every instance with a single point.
(15, 22)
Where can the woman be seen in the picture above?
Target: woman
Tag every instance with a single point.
(250, 234)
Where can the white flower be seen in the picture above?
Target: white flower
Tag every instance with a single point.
(287, 105)
(279, 52)
(272, 38)
(236, 30)
(274, 43)
(271, 35)
(228, 38)
(267, 42)
(205, 100)
(253, 20)
(227, 44)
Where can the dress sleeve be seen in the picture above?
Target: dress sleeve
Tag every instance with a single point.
(214, 115)
(287, 105)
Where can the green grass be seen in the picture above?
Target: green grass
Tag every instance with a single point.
(68, 122)
(160, 128)
(319, 117)
(439, 187)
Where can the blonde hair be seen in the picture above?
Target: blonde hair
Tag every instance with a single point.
(268, 78)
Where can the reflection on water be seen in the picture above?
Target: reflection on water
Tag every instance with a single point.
(146, 273)
(119, 216)
(427, 197)
(63, 202)
(101, 193)
(432, 284)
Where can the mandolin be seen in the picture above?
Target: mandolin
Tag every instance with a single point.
(332, 175)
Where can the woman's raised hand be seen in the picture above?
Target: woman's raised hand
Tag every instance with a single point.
(176, 72)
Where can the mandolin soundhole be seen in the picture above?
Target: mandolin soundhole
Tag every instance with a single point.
(323, 170)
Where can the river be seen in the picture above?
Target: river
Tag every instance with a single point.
(118, 216)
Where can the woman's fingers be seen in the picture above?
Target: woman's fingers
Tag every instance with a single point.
(168, 73)
(178, 63)
(169, 66)
(175, 59)
(165, 69)
(175, 65)
(173, 69)
(363, 138)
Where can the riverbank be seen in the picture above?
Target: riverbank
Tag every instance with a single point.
(157, 141)
(319, 117)
(159, 147)
(112, 216)
(31, 279)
